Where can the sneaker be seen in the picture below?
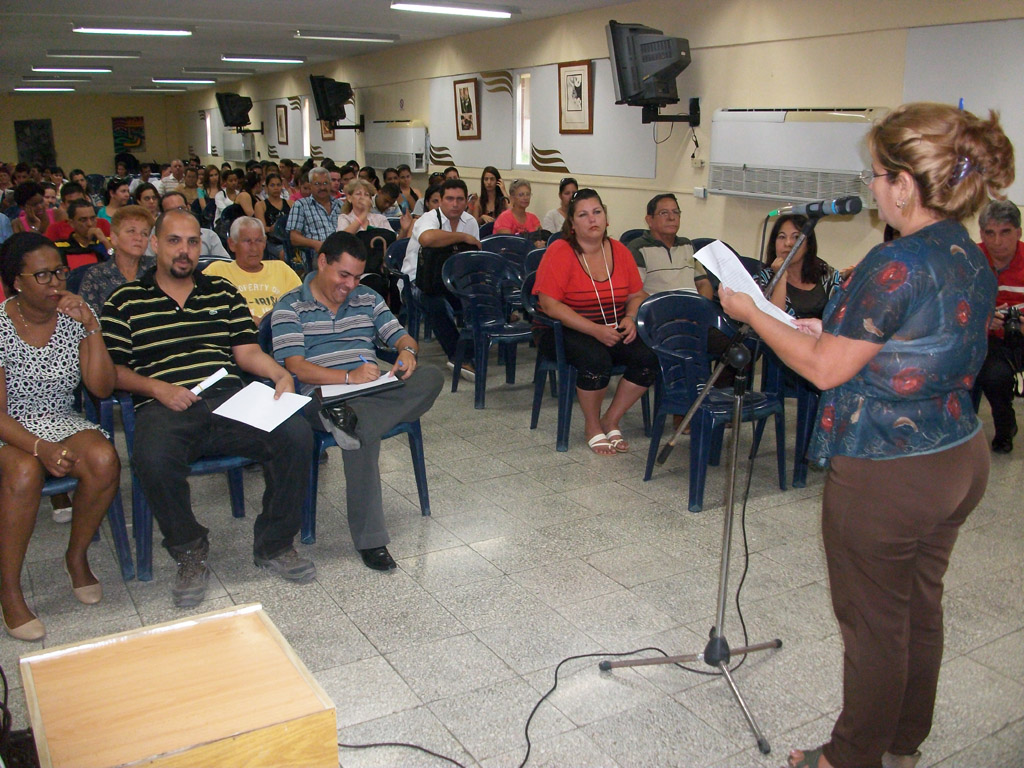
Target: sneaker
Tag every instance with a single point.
(289, 565)
(193, 574)
(62, 515)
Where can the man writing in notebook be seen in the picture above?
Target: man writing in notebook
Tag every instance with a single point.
(323, 333)
(168, 332)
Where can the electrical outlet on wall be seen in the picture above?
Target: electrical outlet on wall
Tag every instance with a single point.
(697, 162)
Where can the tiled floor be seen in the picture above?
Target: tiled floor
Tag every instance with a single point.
(531, 556)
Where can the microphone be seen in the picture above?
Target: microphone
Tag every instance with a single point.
(840, 206)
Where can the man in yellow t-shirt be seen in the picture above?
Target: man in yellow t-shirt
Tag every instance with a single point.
(260, 282)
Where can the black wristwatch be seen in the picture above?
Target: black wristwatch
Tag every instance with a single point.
(411, 350)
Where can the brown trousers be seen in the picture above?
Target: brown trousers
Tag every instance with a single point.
(889, 528)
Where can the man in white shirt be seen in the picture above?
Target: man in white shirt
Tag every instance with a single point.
(210, 244)
(448, 225)
(174, 179)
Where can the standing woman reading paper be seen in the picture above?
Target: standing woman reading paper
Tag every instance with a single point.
(896, 355)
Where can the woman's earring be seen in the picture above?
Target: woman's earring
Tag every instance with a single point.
(900, 203)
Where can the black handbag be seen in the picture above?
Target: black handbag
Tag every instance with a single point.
(431, 262)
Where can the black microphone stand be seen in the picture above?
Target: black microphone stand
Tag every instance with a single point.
(717, 652)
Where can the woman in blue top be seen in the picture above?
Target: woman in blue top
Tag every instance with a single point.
(896, 354)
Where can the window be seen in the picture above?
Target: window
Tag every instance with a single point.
(306, 141)
(209, 133)
(522, 153)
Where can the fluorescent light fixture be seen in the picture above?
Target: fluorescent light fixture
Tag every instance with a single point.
(255, 59)
(44, 89)
(54, 79)
(344, 37)
(182, 81)
(60, 53)
(156, 89)
(130, 31)
(75, 70)
(214, 71)
(453, 9)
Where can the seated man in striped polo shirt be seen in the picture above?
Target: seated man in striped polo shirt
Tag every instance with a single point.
(167, 332)
(323, 333)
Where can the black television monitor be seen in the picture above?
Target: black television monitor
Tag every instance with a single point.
(646, 64)
(330, 97)
(234, 109)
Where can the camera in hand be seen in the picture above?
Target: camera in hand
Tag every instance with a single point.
(1011, 322)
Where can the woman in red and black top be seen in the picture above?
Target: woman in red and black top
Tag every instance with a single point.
(591, 284)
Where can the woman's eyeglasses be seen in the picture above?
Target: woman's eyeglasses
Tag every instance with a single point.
(45, 276)
(868, 176)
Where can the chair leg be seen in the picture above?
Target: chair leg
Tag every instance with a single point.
(142, 526)
(657, 429)
(481, 350)
(308, 529)
(419, 466)
(806, 410)
(539, 379)
(237, 492)
(510, 362)
(645, 409)
(460, 355)
(566, 387)
(703, 435)
(780, 447)
(119, 534)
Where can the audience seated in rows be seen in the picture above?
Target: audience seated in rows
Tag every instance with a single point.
(210, 243)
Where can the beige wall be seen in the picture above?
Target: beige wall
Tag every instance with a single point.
(82, 132)
(746, 53)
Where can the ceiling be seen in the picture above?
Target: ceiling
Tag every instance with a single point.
(29, 30)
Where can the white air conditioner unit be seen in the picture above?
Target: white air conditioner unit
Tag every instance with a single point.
(790, 154)
(390, 143)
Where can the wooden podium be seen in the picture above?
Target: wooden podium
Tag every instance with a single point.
(219, 689)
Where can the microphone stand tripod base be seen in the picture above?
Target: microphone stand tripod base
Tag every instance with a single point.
(717, 653)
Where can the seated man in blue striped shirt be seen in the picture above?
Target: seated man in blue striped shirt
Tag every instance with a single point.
(324, 334)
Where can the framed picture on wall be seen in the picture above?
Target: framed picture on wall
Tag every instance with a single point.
(282, 124)
(467, 109)
(326, 130)
(576, 97)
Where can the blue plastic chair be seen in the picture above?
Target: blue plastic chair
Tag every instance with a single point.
(513, 247)
(630, 234)
(394, 257)
(483, 282)
(554, 236)
(532, 263)
(322, 440)
(562, 375)
(142, 515)
(675, 325)
(777, 379)
(115, 514)
(486, 229)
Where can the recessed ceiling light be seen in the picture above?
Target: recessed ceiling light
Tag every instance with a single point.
(255, 59)
(453, 9)
(44, 89)
(182, 81)
(60, 53)
(214, 71)
(345, 37)
(55, 79)
(75, 70)
(130, 31)
(156, 89)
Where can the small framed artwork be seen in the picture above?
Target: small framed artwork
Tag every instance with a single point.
(326, 130)
(467, 109)
(576, 97)
(282, 124)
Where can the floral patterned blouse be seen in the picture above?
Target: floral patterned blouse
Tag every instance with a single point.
(926, 298)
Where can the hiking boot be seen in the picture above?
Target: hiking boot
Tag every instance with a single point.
(193, 573)
(289, 565)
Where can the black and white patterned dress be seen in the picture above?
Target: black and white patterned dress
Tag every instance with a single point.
(40, 381)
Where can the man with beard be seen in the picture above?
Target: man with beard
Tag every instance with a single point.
(168, 332)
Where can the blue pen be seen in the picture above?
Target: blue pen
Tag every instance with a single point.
(364, 359)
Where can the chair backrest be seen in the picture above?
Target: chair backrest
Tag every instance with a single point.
(753, 266)
(396, 253)
(483, 281)
(96, 183)
(395, 222)
(532, 262)
(554, 236)
(675, 325)
(529, 300)
(264, 335)
(486, 229)
(631, 234)
(512, 247)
